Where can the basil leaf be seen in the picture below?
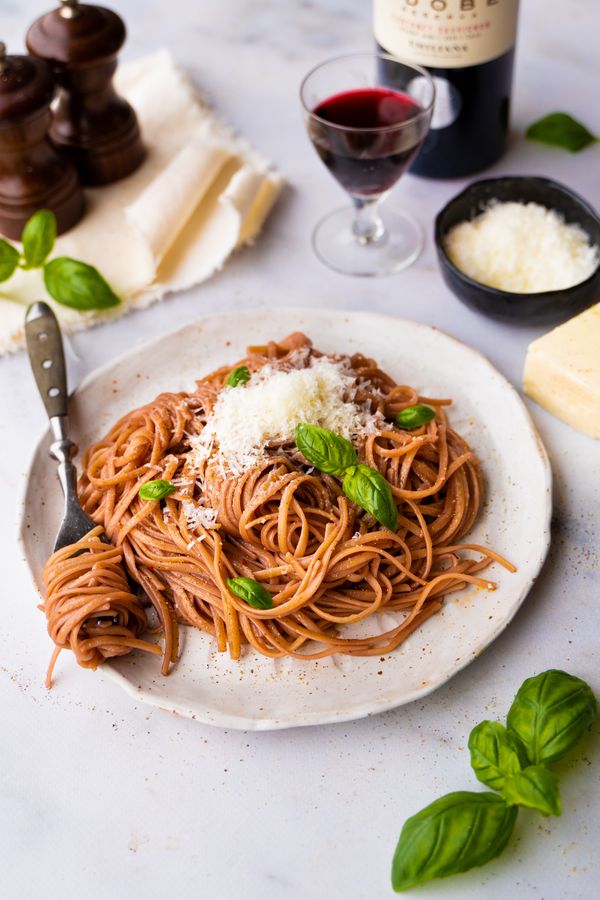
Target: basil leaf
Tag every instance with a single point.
(240, 375)
(78, 285)
(251, 591)
(369, 489)
(9, 259)
(414, 416)
(327, 451)
(495, 754)
(536, 787)
(156, 490)
(550, 714)
(561, 130)
(451, 835)
(38, 238)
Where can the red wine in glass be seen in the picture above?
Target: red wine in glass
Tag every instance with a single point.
(367, 127)
(356, 134)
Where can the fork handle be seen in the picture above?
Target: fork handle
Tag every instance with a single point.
(45, 346)
(46, 354)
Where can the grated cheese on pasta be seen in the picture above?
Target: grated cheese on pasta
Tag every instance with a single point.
(270, 405)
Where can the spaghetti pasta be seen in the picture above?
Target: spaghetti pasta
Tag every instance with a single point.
(89, 605)
(327, 564)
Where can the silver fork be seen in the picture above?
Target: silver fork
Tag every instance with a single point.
(47, 358)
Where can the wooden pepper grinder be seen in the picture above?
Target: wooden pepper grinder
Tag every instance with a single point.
(92, 126)
(32, 174)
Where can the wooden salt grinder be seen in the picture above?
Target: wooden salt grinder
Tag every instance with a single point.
(92, 126)
(32, 174)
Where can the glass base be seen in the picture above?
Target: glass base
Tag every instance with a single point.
(337, 245)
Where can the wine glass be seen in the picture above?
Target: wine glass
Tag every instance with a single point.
(367, 115)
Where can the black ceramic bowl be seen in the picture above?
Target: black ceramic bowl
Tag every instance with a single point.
(528, 309)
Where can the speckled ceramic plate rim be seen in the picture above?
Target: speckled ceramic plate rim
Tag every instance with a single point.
(225, 720)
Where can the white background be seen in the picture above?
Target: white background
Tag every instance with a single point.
(104, 799)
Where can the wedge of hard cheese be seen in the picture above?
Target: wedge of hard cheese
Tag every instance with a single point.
(562, 372)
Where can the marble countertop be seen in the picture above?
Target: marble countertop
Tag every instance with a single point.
(107, 799)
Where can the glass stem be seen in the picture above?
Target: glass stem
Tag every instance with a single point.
(368, 227)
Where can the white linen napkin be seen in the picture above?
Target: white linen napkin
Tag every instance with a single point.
(200, 193)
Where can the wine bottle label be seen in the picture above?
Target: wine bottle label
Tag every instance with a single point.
(446, 34)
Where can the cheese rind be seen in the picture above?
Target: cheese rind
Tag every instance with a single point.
(562, 372)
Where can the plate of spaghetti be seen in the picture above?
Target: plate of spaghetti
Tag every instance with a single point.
(301, 517)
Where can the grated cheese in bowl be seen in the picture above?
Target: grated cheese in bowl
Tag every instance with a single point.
(522, 248)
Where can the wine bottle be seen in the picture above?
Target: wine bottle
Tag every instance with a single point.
(468, 48)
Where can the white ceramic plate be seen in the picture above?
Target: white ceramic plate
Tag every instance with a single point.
(259, 693)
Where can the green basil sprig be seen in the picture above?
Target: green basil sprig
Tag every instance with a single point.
(240, 375)
(559, 129)
(68, 281)
(333, 454)
(157, 489)
(254, 593)
(78, 285)
(453, 834)
(550, 714)
(536, 787)
(328, 451)
(495, 754)
(369, 489)
(9, 259)
(414, 416)
(38, 238)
